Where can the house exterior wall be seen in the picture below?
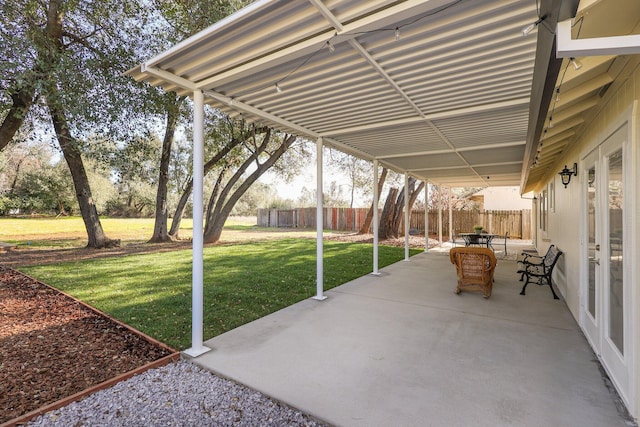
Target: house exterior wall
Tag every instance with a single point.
(565, 214)
(503, 199)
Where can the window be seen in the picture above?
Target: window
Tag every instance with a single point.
(543, 205)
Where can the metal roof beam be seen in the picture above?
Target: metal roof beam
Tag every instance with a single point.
(366, 55)
(450, 151)
(170, 77)
(460, 156)
(237, 105)
(435, 116)
(546, 71)
(439, 168)
(464, 167)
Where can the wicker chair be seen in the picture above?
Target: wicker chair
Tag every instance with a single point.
(475, 268)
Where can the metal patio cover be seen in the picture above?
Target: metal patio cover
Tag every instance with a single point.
(438, 89)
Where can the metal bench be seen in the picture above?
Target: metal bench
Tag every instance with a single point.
(539, 269)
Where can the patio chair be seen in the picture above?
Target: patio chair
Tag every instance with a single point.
(475, 268)
(456, 236)
(505, 237)
(540, 273)
(473, 240)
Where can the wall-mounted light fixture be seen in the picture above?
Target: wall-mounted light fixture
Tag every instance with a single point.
(566, 174)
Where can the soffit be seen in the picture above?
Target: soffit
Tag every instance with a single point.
(580, 93)
(457, 79)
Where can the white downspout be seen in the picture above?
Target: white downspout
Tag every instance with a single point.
(197, 273)
(375, 218)
(319, 223)
(406, 216)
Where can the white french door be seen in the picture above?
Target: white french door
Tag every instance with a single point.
(605, 288)
(590, 304)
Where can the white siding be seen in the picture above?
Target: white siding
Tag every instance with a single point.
(563, 228)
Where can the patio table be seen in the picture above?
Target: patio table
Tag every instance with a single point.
(482, 239)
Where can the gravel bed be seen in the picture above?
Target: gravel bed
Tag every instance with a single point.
(178, 394)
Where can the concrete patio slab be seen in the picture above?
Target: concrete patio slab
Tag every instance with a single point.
(402, 349)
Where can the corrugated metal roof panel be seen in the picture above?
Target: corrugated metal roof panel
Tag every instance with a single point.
(458, 77)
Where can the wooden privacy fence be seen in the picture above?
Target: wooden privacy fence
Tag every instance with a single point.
(343, 219)
(517, 223)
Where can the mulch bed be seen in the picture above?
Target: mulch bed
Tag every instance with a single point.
(53, 346)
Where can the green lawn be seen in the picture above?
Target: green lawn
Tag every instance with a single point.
(242, 282)
(66, 232)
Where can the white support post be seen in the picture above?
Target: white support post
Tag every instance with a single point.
(426, 217)
(450, 217)
(440, 215)
(197, 272)
(319, 225)
(375, 218)
(406, 216)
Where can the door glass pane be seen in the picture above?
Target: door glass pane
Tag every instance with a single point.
(591, 225)
(616, 297)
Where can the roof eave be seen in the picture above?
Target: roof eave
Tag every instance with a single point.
(545, 74)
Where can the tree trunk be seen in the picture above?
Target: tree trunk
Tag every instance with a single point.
(97, 237)
(214, 197)
(225, 205)
(14, 183)
(22, 97)
(70, 147)
(21, 103)
(186, 193)
(385, 230)
(160, 231)
(413, 195)
(353, 189)
(369, 218)
(61, 210)
(177, 216)
(399, 205)
(398, 209)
